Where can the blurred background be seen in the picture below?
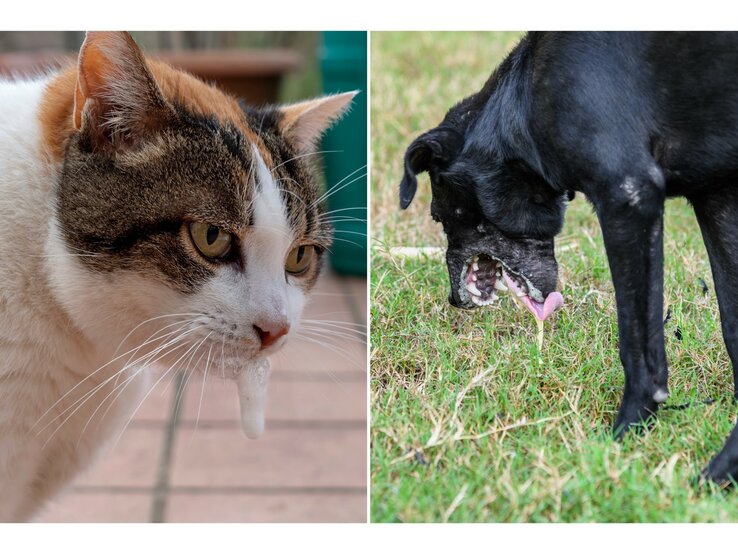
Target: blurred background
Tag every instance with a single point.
(183, 458)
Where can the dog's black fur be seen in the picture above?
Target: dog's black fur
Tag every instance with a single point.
(628, 119)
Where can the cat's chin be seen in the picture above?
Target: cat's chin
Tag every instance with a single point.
(233, 368)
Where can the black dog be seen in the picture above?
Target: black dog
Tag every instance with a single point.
(628, 119)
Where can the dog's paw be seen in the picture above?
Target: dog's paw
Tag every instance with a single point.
(635, 416)
(722, 470)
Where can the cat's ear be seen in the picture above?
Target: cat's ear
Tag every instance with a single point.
(305, 122)
(116, 101)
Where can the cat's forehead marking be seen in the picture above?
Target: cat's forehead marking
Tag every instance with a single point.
(269, 217)
(177, 87)
(203, 99)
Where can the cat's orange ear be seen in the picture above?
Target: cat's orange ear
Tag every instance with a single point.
(116, 99)
(305, 122)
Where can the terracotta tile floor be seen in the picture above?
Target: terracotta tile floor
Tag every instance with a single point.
(309, 466)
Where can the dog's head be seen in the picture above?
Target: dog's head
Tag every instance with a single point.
(499, 217)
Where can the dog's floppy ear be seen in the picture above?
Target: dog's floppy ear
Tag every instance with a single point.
(438, 146)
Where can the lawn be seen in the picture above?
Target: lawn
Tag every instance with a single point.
(470, 422)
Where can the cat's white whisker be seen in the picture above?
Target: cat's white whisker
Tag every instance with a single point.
(350, 232)
(79, 405)
(338, 338)
(337, 321)
(282, 189)
(142, 359)
(202, 391)
(335, 328)
(305, 156)
(222, 358)
(338, 210)
(336, 335)
(353, 331)
(156, 337)
(169, 384)
(132, 351)
(362, 244)
(335, 313)
(145, 360)
(149, 360)
(150, 320)
(349, 175)
(187, 377)
(341, 219)
(334, 189)
(171, 367)
(341, 352)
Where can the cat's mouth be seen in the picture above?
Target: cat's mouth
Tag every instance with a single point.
(228, 360)
(224, 356)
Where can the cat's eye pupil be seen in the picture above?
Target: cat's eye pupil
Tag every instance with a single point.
(211, 241)
(299, 259)
(212, 234)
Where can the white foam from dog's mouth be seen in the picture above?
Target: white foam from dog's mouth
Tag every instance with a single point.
(484, 276)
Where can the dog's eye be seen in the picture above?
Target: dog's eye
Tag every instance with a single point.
(458, 212)
(537, 199)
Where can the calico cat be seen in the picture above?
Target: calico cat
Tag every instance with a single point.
(147, 220)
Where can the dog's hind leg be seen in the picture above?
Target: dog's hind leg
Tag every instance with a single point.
(631, 217)
(724, 467)
(717, 214)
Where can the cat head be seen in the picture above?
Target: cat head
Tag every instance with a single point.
(181, 217)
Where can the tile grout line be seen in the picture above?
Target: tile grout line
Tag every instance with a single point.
(161, 488)
(225, 489)
(274, 424)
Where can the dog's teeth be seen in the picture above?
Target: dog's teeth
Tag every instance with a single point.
(475, 266)
(499, 285)
(474, 277)
(472, 288)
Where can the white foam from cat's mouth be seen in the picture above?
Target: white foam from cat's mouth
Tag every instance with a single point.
(252, 383)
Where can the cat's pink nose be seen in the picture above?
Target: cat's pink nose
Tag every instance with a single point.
(271, 331)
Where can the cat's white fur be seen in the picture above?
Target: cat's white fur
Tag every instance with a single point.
(61, 325)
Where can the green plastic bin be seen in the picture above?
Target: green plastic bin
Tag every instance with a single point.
(343, 64)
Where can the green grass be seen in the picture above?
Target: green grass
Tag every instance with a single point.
(467, 424)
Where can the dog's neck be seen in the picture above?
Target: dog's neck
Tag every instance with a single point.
(502, 122)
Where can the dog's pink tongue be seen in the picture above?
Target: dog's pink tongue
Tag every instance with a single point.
(542, 310)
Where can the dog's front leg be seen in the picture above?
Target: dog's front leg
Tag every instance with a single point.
(631, 217)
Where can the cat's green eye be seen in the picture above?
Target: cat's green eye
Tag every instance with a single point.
(299, 259)
(211, 241)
